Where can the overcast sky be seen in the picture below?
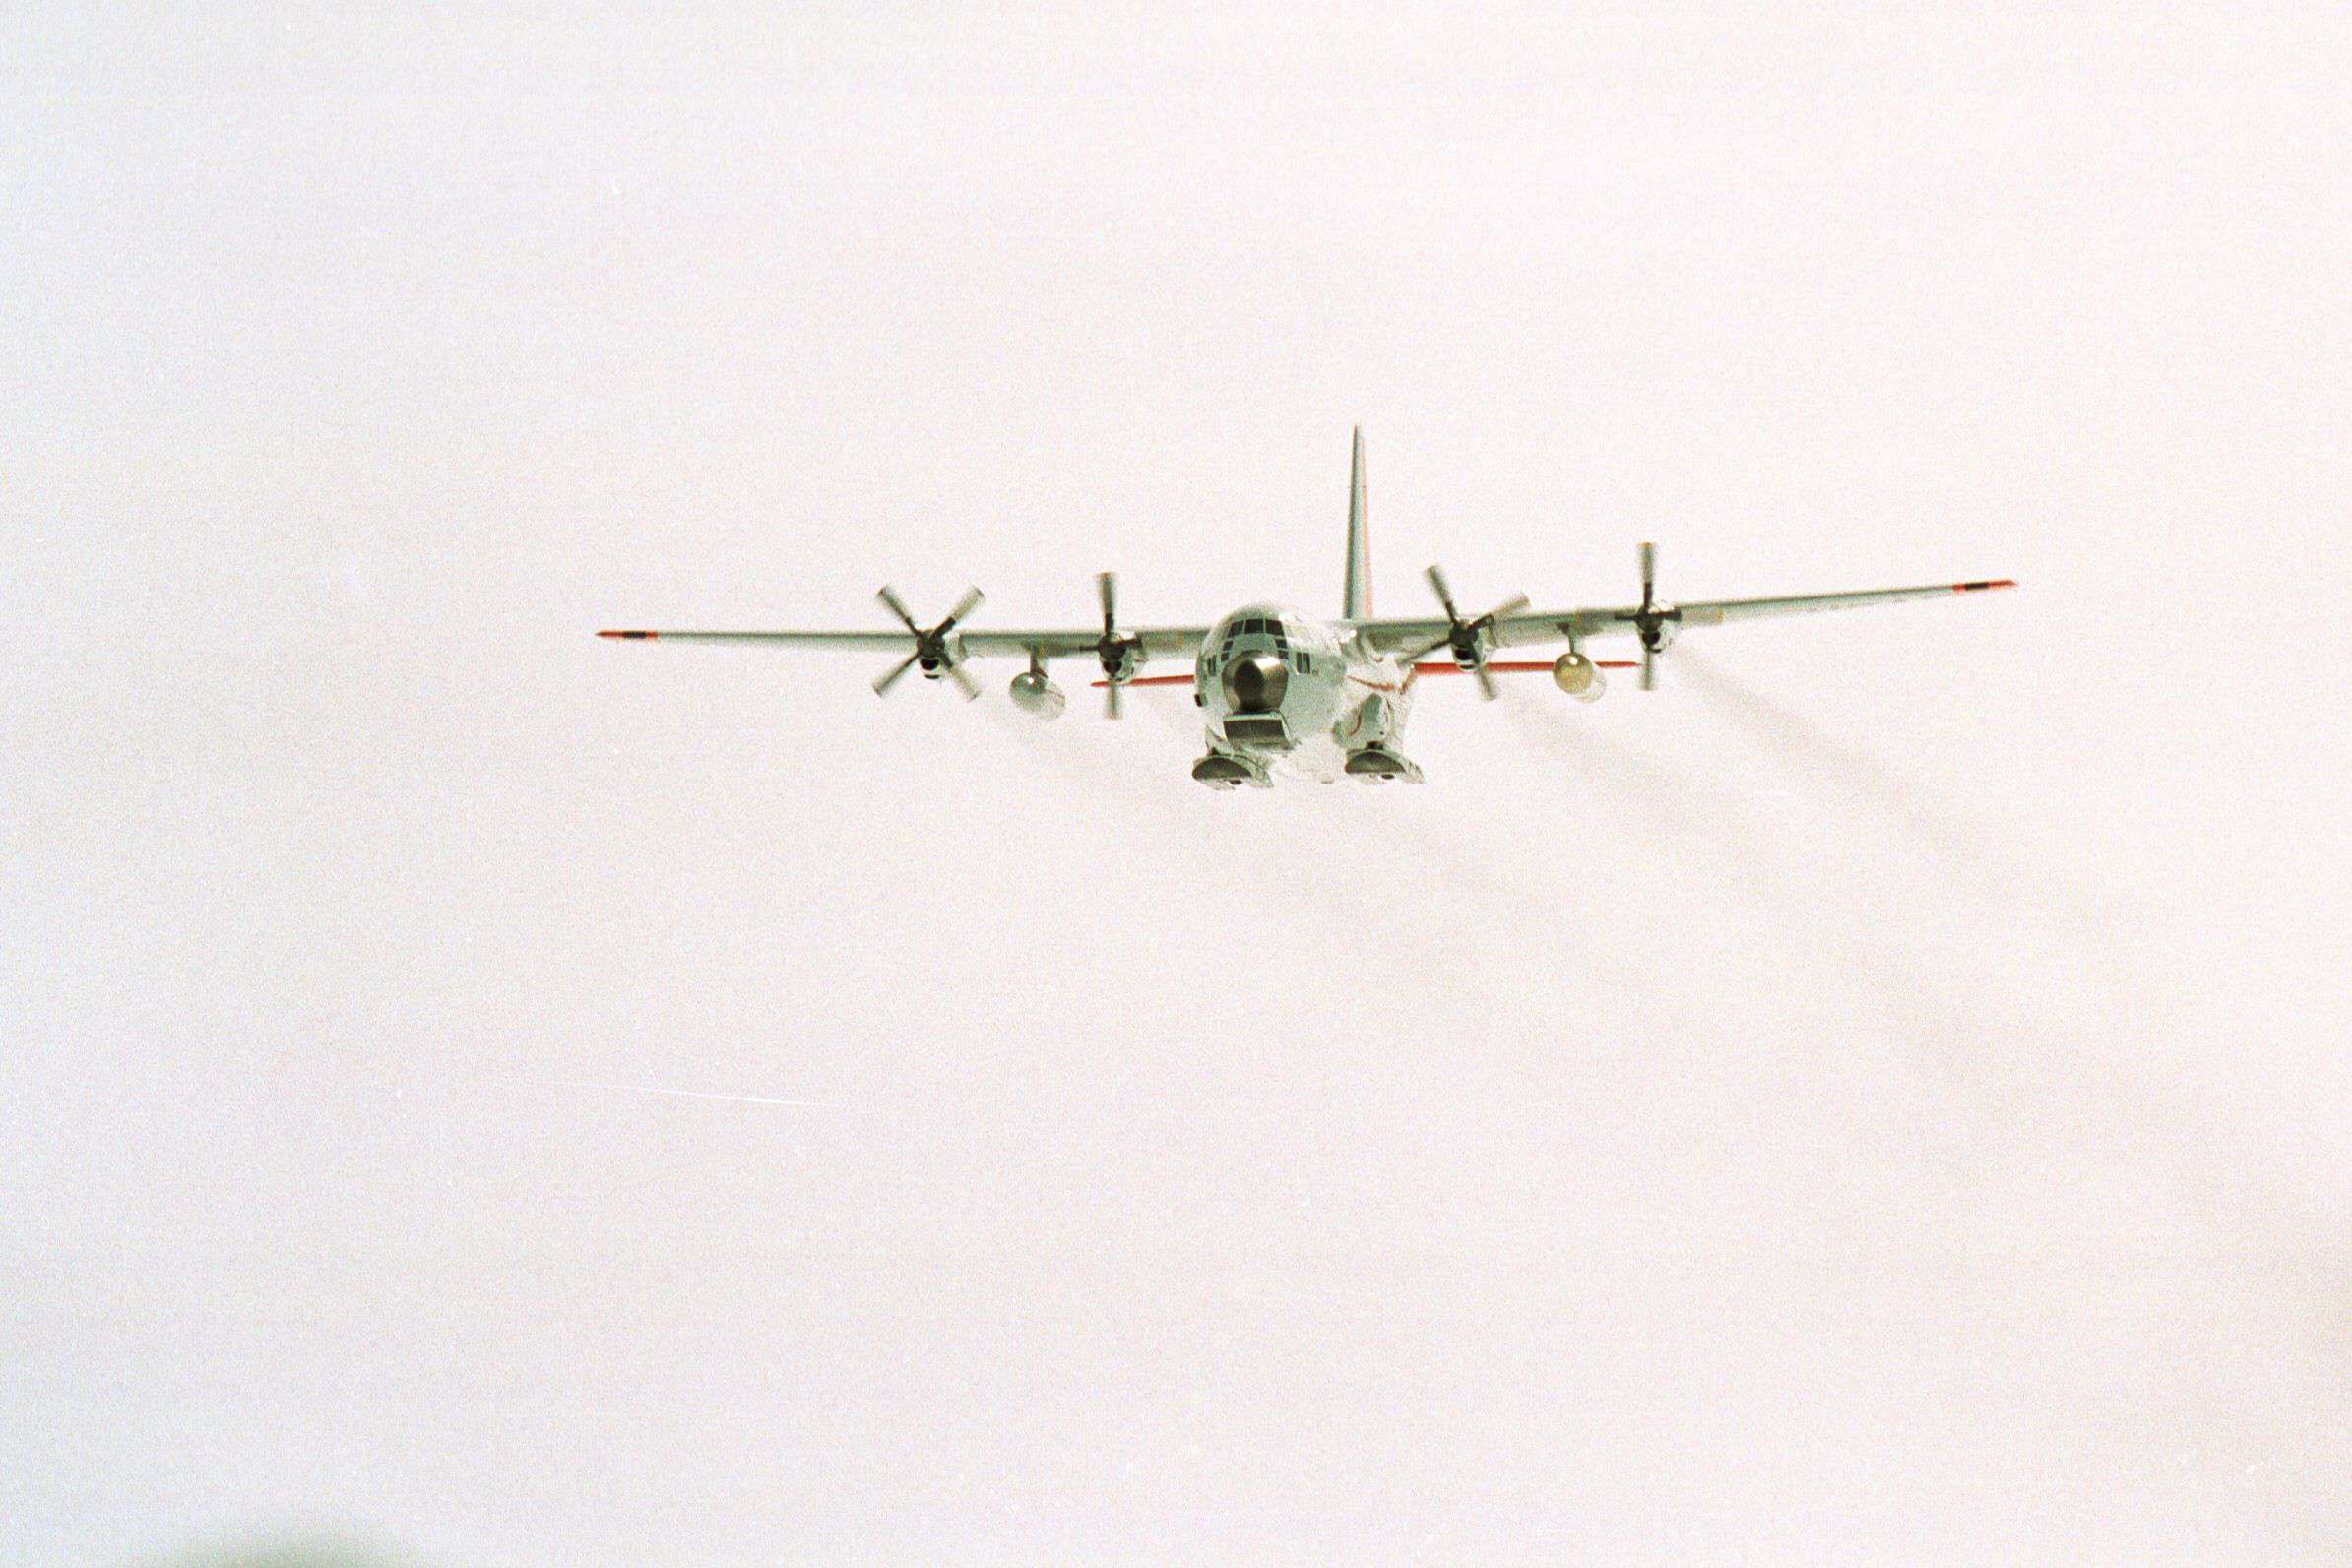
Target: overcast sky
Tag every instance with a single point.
(1882, 1096)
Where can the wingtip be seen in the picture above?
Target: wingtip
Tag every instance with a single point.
(1989, 583)
(634, 636)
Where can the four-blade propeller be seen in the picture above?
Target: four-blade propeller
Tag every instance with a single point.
(932, 651)
(1468, 640)
(1652, 623)
(1122, 655)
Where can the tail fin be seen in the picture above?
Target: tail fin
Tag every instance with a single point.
(1357, 602)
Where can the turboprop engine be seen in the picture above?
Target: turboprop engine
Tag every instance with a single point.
(1034, 694)
(1577, 675)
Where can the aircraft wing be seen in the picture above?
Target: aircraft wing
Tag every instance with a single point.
(1549, 626)
(1159, 641)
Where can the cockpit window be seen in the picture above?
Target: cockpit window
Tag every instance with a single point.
(1258, 626)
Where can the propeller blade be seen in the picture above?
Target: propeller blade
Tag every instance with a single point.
(1649, 667)
(1106, 585)
(964, 606)
(964, 681)
(1506, 610)
(1486, 682)
(1437, 576)
(1649, 574)
(898, 606)
(1110, 702)
(891, 678)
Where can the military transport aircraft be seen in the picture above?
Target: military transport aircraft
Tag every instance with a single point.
(1282, 691)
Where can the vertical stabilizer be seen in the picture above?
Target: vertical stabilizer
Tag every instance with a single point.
(1357, 602)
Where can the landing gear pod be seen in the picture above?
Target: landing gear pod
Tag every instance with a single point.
(1576, 676)
(1034, 694)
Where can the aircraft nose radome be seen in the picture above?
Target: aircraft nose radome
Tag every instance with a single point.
(1255, 682)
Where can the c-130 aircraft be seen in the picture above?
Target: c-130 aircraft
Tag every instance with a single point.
(1282, 692)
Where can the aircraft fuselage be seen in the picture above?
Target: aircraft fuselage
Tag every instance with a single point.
(1282, 691)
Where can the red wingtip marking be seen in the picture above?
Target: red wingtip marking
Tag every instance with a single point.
(644, 636)
(1979, 587)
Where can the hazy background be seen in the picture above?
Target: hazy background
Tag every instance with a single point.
(1884, 1095)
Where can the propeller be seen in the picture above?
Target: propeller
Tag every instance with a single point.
(1119, 653)
(1467, 639)
(931, 649)
(1651, 623)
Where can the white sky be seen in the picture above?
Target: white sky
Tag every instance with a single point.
(1883, 1097)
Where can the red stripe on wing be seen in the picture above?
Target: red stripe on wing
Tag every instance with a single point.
(1516, 666)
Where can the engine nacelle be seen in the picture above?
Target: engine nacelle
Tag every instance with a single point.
(1034, 694)
(1125, 662)
(1579, 677)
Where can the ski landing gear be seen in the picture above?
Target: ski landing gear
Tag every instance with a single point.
(1380, 765)
(1369, 734)
(1230, 769)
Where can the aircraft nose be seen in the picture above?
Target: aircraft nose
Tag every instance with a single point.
(1255, 682)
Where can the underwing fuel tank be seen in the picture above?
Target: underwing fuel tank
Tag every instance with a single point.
(1034, 694)
(1577, 675)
